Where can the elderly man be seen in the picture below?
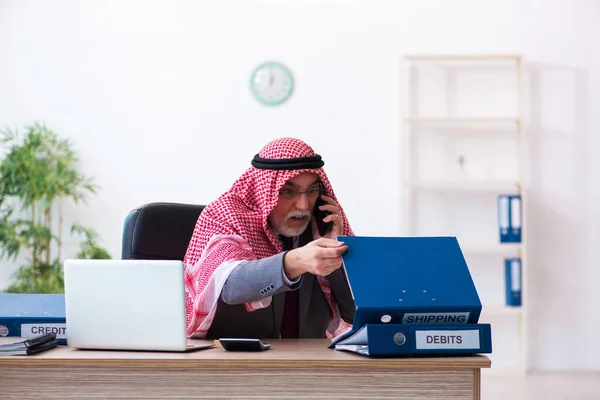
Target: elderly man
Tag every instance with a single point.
(264, 259)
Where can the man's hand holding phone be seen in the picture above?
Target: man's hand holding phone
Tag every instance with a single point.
(330, 214)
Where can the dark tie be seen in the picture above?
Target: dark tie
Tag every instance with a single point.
(289, 323)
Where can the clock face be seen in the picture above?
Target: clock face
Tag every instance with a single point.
(271, 83)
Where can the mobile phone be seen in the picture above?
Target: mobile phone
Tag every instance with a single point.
(239, 344)
(324, 227)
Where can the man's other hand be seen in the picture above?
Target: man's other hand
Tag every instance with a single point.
(319, 257)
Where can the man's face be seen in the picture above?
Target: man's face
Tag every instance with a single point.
(297, 198)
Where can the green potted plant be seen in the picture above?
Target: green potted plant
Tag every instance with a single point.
(37, 172)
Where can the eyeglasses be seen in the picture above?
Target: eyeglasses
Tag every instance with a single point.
(290, 194)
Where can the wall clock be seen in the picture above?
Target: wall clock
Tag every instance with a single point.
(271, 83)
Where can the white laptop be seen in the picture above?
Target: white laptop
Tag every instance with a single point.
(126, 305)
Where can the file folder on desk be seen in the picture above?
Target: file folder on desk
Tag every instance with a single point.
(413, 295)
(415, 339)
(29, 315)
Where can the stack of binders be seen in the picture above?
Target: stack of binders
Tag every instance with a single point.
(413, 296)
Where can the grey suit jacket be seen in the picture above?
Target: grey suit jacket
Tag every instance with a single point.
(257, 279)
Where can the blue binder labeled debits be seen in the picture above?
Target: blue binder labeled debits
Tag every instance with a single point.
(29, 315)
(509, 218)
(413, 295)
(411, 339)
(513, 279)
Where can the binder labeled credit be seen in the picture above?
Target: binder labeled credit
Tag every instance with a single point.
(30, 315)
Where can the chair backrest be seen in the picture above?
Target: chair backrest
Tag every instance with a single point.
(160, 231)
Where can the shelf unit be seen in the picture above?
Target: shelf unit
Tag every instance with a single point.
(465, 185)
(462, 141)
(462, 121)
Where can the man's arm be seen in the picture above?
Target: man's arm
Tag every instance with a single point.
(256, 279)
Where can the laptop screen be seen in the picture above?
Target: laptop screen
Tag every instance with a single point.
(125, 304)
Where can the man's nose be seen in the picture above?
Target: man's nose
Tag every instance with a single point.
(302, 202)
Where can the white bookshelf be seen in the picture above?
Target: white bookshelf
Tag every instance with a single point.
(489, 121)
(496, 249)
(465, 185)
(462, 146)
(501, 310)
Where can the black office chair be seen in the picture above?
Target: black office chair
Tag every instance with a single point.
(159, 231)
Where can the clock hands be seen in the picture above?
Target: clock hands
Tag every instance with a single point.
(271, 77)
(271, 83)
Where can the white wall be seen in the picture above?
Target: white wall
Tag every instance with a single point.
(154, 95)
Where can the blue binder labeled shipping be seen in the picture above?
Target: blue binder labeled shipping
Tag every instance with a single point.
(510, 218)
(29, 315)
(413, 295)
(513, 280)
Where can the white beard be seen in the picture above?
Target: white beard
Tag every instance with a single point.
(285, 230)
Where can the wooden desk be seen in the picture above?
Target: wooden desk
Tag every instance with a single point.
(291, 369)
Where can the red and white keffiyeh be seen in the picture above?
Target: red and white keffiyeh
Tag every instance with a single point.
(234, 228)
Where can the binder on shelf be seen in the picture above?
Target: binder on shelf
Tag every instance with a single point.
(515, 218)
(413, 295)
(510, 218)
(31, 315)
(513, 272)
